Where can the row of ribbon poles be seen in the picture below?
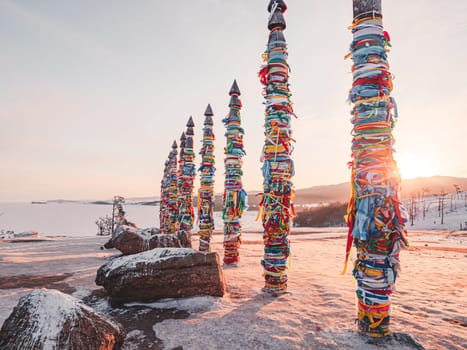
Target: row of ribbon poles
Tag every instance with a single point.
(176, 209)
(375, 216)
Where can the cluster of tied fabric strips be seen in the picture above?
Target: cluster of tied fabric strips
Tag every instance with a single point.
(276, 206)
(235, 198)
(375, 215)
(169, 195)
(206, 190)
(186, 179)
(163, 210)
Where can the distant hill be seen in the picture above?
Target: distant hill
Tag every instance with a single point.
(323, 194)
(433, 185)
(340, 192)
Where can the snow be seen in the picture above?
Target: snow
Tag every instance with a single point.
(145, 234)
(133, 339)
(79, 257)
(193, 304)
(318, 311)
(455, 213)
(49, 310)
(129, 262)
(12, 235)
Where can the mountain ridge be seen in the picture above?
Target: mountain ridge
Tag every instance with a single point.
(431, 185)
(409, 187)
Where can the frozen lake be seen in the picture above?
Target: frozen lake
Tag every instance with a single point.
(78, 219)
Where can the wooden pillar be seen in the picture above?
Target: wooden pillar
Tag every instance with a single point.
(276, 207)
(361, 8)
(235, 197)
(187, 173)
(206, 189)
(376, 217)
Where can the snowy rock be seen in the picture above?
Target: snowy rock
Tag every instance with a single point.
(12, 235)
(162, 273)
(49, 319)
(132, 241)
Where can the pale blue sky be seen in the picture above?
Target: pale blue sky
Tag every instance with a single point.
(92, 93)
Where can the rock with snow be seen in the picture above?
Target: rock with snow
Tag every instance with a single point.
(49, 319)
(162, 273)
(130, 240)
(12, 235)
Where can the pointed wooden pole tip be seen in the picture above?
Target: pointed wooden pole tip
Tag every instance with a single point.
(234, 90)
(208, 111)
(190, 123)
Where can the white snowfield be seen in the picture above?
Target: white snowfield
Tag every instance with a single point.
(318, 312)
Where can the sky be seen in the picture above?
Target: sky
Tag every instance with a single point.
(93, 93)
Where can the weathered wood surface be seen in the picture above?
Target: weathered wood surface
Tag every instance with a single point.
(361, 7)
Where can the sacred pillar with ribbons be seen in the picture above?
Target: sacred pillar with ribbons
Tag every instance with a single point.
(276, 207)
(375, 213)
(187, 173)
(235, 197)
(172, 193)
(206, 190)
(163, 196)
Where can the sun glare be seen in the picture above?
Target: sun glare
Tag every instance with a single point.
(412, 166)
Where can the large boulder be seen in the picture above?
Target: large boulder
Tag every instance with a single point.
(130, 240)
(49, 319)
(162, 273)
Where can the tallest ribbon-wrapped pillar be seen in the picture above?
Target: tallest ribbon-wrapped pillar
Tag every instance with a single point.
(375, 215)
(276, 208)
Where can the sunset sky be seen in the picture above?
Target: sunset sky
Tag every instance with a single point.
(93, 93)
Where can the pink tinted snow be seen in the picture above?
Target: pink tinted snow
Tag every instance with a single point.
(319, 310)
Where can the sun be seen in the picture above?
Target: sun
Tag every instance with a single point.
(412, 166)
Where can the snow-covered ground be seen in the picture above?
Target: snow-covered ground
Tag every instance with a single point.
(454, 214)
(318, 312)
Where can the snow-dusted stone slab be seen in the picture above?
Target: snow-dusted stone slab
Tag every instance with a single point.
(162, 273)
(49, 319)
(132, 241)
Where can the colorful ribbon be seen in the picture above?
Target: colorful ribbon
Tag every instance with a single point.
(235, 197)
(276, 207)
(186, 178)
(375, 215)
(169, 195)
(206, 190)
(163, 211)
(172, 193)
